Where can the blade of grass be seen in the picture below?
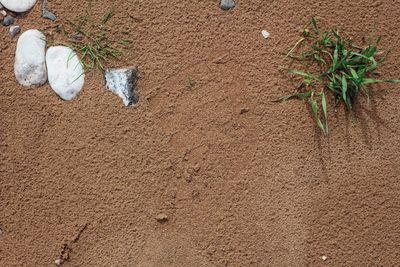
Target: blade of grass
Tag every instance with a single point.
(298, 95)
(295, 46)
(299, 73)
(344, 89)
(107, 16)
(315, 109)
(325, 111)
(315, 25)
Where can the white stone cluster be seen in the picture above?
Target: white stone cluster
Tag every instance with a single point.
(60, 65)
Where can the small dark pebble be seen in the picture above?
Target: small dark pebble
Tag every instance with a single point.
(77, 37)
(162, 218)
(244, 110)
(59, 29)
(8, 20)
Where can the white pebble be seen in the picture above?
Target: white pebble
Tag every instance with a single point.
(65, 72)
(18, 5)
(30, 67)
(58, 262)
(324, 258)
(265, 34)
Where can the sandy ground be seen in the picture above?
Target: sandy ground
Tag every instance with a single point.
(87, 178)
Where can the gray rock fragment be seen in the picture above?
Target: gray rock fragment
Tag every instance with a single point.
(122, 82)
(46, 13)
(49, 15)
(14, 30)
(227, 4)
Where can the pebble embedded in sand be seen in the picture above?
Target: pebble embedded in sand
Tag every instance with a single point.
(65, 72)
(265, 34)
(18, 6)
(49, 15)
(8, 20)
(162, 217)
(30, 68)
(46, 13)
(122, 82)
(244, 110)
(14, 30)
(227, 4)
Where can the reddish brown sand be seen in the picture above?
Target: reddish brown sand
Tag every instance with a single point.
(87, 179)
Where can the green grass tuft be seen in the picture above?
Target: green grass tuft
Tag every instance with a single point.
(333, 65)
(89, 38)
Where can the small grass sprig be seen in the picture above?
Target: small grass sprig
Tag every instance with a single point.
(333, 65)
(190, 82)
